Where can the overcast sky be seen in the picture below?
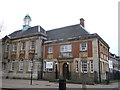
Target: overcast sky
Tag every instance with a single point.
(101, 16)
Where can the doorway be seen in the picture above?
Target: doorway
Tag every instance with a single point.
(56, 72)
(65, 71)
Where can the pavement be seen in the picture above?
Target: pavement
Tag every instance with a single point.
(18, 83)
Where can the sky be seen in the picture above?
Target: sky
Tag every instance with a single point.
(101, 16)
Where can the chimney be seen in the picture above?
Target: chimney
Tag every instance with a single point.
(82, 22)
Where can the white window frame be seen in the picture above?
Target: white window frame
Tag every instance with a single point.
(76, 65)
(66, 48)
(14, 47)
(23, 46)
(84, 66)
(21, 65)
(50, 49)
(91, 66)
(12, 66)
(32, 44)
(44, 66)
(83, 46)
(7, 47)
(30, 66)
(66, 54)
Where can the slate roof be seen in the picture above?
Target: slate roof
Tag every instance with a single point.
(66, 32)
(69, 33)
(29, 32)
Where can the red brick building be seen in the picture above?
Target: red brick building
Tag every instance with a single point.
(73, 53)
(69, 52)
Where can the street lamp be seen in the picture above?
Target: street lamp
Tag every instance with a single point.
(56, 70)
(31, 64)
(31, 71)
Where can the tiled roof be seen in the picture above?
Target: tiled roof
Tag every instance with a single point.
(30, 31)
(73, 32)
(66, 32)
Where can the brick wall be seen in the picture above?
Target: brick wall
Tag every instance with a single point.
(75, 49)
(90, 53)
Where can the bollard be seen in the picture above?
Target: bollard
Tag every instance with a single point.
(62, 84)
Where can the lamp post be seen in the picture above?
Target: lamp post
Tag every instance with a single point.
(31, 71)
(56, 70)
(31, 64)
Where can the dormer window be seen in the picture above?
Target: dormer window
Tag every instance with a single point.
(23, 46)
(83, 46)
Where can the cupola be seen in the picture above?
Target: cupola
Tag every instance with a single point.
(27, 20)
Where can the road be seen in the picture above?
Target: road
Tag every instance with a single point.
(18, 83)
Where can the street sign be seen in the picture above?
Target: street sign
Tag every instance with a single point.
(49, 65)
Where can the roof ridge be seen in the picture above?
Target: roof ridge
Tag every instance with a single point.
(62, 27)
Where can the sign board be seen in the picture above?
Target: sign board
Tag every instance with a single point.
(110, 64)
(49, 65)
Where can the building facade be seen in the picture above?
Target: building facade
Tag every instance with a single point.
(74, 54)
(69, 52)
(114, 67)
(22, 52)
(0, 58)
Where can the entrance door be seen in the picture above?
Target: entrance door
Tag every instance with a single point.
(65, 71)
(56, 72)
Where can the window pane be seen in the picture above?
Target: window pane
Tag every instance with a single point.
(83, 46)
(32, 44)
(12, 66)
(23, 46)
(14, 47)
(65, 48)
(7, 47)
(76, 66)
(21, 65)
(50, 49)
(84, 66)
(30, 65)
(91, 66)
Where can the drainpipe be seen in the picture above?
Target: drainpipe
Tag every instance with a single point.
(99, 62)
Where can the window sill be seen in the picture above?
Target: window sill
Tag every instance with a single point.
(50, 72)
(10, 71)
(84, 51)
(19, 71)
(28, 72)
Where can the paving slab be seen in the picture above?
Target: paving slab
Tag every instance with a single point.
(18, 83)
